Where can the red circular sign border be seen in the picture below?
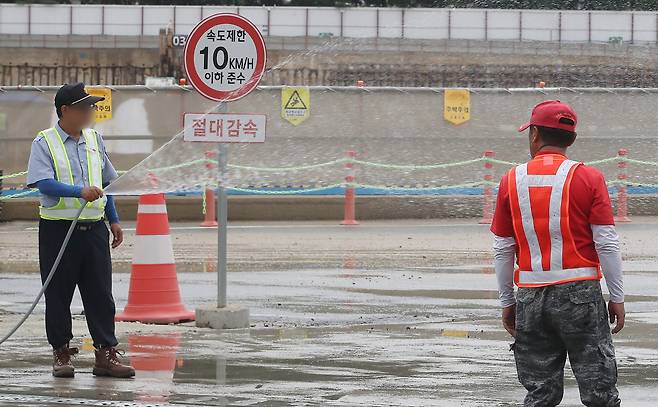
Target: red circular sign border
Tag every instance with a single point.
(195, 36)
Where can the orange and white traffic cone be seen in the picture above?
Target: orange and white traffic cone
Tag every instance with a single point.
(154, 295)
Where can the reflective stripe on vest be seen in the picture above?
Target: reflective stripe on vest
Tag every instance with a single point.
(531, 278)
(578, 269)
(66, 208)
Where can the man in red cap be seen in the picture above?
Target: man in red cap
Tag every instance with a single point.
(553, 216)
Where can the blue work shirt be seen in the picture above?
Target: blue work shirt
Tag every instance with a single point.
(41, 165)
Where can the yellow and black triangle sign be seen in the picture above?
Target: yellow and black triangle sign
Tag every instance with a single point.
(295, 102)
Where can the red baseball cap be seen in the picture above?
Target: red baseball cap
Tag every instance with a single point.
(549, 114)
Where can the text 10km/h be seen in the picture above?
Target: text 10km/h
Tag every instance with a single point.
(232, 63)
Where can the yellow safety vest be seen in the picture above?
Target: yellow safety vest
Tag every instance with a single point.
(66, 208)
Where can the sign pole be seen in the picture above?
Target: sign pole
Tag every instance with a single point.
(224, 59)
(222, 216)
(222, 226)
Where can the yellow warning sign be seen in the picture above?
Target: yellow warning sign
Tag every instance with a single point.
(104, 107)
(457, 105)
(295, 104)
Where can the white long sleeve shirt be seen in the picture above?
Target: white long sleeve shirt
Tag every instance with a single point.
(606, 243)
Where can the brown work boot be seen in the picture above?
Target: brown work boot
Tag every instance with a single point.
(107, 363)
(62, 366)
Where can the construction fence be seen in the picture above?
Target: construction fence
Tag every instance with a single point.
(406, 141)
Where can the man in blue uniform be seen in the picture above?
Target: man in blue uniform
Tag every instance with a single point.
(69, 162)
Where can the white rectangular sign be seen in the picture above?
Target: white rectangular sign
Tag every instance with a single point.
(224, 127)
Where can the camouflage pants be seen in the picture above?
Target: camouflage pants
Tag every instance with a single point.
(556, 321)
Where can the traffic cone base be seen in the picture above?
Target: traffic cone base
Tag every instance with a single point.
(146, 314)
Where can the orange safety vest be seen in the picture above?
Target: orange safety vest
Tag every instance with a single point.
(539, 199)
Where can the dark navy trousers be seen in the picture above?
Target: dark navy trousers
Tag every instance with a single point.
(86, 264)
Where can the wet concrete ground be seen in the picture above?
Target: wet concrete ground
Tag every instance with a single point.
(339, 317)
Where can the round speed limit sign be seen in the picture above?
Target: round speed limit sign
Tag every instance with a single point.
(225, 57)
